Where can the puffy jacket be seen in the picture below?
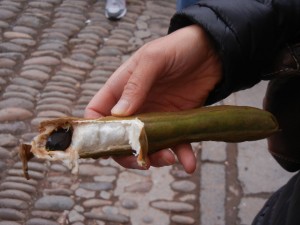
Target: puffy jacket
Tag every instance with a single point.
(247, 34)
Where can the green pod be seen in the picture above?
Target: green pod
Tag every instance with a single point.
(68, 139)
(217, 123)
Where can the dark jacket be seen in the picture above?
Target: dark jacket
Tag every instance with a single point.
(257, 40)
(247, 34)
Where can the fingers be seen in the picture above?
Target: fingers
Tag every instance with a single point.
(144, 69)
(186, 157)
(165, 157)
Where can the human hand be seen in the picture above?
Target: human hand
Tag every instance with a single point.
(172, 73)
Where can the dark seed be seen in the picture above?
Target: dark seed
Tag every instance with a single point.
(59, 139)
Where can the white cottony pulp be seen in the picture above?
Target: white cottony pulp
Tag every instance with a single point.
(92, 137)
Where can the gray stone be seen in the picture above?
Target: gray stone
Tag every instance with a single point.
(24, 42)
(11, 47)
(6, 14)
(140, 187)
(97, 186)
(15, 34)
(54, 203)
(173, 206)
(39, 221)
(16, 102)
(182, 219)
(4, 72)
(75, 216)
(15, 194)
(83, 193)
(14, 113)
(92, 170)
(7, 63)
(4, 153)
(8, 140)
(115, 218)
(43, 60)
(35, 74)
(129, 203)
(9, 223)
(29, 21)
(18, 186)
(11, 214)
(93, 203)
(183, 186)
(13, 203)
(20, 88)
(77, 64)
(17, 127)
(58, 191)
(45, 214)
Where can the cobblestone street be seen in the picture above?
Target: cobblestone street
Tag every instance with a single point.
(54, 56)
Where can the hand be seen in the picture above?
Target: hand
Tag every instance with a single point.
(172, 73)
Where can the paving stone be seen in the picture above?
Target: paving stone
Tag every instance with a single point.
(51, 113)
(11, 214)
(29, 21)
(21, 179)
(6, 14)
(8, 140)
(43, 60)
(33, 174)
(115, 218)
(15, 194)
(24, 42)
(183, 186)
(75, 216)
(93, 203)
(11, 47)
(16, 102)
(5, 72)
(26, 30)
(4, 25)
(140, 187)
(15, 34)
(214, 151)
(63, 180)
(173, 206)
(58, 191)
(13, 203)
(83, 193)
(14, 113)
(59, 107)
(97, 186)
(182, 219)
(17, 127)
(20, 88)
(9, 223)
(39, 221)
(17, 186)
(35, 74)
(54, 203)
(46, 214)
(4, 153)
(129, 203)
(92, 170)
(7, 63)
(77, 64)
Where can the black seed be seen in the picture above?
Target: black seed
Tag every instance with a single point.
(59, 139)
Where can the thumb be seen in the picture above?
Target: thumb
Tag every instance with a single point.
(138, 86)
(134, 94)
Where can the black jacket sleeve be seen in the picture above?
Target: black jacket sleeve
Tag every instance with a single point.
(247, 34)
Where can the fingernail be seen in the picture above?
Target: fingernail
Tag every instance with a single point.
(120, 108)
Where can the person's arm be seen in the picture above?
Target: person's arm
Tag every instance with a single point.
(246, 33)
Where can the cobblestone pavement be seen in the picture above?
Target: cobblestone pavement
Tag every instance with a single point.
(54, 56)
